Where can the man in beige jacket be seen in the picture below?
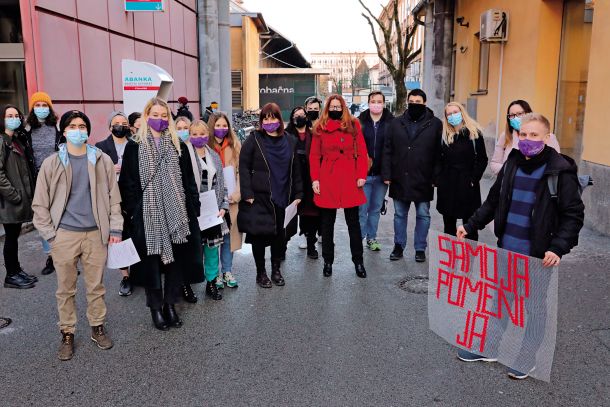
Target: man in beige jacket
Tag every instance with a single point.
(77, 210)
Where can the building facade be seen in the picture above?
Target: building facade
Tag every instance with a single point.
(72, 49)
(343, 66)
(556, 58)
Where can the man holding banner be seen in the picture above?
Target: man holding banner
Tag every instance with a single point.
(529, 220)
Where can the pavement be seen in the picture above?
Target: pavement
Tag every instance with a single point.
(339, 341)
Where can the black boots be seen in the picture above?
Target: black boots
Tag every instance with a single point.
(212, 291)
(262, 279)
(158, 320)
(170, 316)
(397, 253)
(188, 294)
(18, 281)
(48, 268)
(276, 275)
(360, 271)
(327, 270)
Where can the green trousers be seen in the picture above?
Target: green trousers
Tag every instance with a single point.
(210, 262)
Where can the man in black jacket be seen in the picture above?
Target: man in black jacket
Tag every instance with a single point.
(530, 219)
(411, 149)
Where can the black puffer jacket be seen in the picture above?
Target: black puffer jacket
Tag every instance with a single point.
(556, 222)
(410, 162)
(375, 139)
(258, 218)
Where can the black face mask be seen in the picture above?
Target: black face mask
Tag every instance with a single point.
(416, 110)
(335, 114)
(120, 131)
(313, 115)
(300, 121)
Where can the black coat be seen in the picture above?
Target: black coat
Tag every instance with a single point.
(462, 164)
(307, 207)
(188, 256)
(258, 218)
(556, 222)
(409, 162)
(375, 140)
(107, 146)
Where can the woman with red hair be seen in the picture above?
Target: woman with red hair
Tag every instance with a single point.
(338, 165)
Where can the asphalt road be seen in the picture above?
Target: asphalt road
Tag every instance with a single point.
(338, 341)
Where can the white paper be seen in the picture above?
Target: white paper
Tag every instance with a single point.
(291, 211)
(121, 255)
(229, 175)
(208, 217)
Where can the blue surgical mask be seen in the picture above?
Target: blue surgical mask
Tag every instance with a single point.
(77, 137)
(12, 123)
(515, 123)
(42, 112)
(183, 134)
(455, 119)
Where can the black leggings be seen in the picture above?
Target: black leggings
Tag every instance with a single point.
(278, 249)
(170, 292)
(328, 230)
(11, 248)
(451, 228)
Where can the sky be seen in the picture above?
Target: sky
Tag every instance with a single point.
(320, 25)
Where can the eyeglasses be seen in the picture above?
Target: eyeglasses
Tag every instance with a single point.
(335, 108)
(512, 116)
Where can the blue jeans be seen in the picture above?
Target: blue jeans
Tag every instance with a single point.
(422, 223)
(226, 257)
(375, 190)
(46, 247)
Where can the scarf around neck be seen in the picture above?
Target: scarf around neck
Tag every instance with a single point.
(165, 217)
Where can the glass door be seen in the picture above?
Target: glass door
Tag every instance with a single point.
(573, 74)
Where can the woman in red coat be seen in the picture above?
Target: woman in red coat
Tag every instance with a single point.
(338, 165)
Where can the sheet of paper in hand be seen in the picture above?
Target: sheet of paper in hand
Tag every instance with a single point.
(208, 217)
(229, 176)
(493, 302)
(291, 211)
(122, 255)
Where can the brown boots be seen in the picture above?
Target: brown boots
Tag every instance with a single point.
(98, 335)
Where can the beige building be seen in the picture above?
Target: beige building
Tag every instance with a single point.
(342, 65)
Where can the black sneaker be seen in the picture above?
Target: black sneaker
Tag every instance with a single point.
(48, 268)
(396, 253)
(27, 276)
(17, 281)
(420, 256)
(125, 288)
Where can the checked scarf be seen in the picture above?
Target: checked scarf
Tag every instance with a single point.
(165, 217)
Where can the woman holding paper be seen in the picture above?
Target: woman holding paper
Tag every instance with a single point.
(270, 186)
(161, 201)
(228, 147)
(207, 168)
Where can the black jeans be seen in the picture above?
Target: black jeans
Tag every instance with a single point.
(310, 227)
(171, 293)
(451, 228)
(11, 248)
(328, 231)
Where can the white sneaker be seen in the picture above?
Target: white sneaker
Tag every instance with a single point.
(303, 244)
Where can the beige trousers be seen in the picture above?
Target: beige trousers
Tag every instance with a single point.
(67, 248)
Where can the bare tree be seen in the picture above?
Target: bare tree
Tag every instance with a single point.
(405, 42)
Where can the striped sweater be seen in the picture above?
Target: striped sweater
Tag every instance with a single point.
(516, 236)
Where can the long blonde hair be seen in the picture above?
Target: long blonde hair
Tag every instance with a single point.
(233, 140)
(141, 135)
(449, 131)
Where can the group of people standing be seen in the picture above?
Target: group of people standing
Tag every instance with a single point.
(145, 180)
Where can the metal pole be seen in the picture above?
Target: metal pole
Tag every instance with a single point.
(224, 47)
(209, 64)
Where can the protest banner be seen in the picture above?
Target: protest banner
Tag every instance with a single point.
(493, 302)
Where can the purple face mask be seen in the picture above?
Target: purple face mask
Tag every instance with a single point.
(271, 127)
(221, 133)
(158, 124)
(199, 142)
(530, 148)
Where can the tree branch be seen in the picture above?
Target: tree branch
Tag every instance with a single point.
(401, 55)
(379, 53)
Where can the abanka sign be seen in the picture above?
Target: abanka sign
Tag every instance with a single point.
(144, 5)
(143, 81)
(493, 302)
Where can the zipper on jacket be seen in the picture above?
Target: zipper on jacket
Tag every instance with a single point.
(269, 176)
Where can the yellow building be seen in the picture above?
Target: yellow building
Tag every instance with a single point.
(556, 58)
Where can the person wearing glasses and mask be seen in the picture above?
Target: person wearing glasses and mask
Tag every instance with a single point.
(509, 139)
(114, 146)
(338, 166)
(411, 150)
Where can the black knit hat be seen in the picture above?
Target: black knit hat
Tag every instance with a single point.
(70, 115)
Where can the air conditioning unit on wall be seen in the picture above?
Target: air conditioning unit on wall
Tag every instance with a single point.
(494, 26)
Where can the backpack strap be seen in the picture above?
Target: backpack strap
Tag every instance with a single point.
(552, 181)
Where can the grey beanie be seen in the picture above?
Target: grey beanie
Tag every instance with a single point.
(115, 114)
